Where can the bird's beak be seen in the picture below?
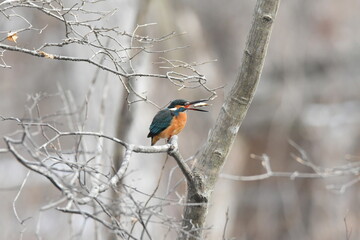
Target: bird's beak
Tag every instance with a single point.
(198, 103)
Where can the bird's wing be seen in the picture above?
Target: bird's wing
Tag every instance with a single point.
(160, 122)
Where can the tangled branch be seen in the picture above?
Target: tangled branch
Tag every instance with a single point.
(105, 47)
(350, 171)
(63, 158)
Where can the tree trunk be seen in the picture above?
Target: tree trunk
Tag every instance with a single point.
(232, 113)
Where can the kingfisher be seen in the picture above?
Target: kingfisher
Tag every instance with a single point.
(171, 120)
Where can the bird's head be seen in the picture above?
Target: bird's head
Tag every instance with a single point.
(183, 105)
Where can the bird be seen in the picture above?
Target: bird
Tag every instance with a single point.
(171, 120)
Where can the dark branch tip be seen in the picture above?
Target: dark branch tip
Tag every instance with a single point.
(172, 148)
(199, 198)
(267, 18)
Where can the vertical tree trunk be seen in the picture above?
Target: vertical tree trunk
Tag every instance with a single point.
(231, 115)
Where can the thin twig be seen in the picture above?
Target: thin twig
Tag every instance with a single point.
(17, 197)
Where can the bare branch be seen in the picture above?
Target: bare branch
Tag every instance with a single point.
(17, 197)
(233, 111)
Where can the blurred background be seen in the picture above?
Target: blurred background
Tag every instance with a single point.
(308, 93)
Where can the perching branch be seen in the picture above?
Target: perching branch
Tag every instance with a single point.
(45, 157)
(174, 152)
(48, 160)
(171, 148)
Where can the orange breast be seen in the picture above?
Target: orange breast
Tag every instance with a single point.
(177, 124)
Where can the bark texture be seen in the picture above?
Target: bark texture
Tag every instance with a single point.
(232, 113)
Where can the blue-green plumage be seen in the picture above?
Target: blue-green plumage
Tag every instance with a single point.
(162, 120)
(169, 121)
(178, 102)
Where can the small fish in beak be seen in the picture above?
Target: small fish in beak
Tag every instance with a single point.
(198, 103)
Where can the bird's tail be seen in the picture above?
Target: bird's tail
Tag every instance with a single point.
(154, 139)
